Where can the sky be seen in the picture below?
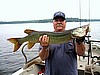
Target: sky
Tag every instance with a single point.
(16, 10)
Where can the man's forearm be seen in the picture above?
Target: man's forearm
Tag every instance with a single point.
(80, 49)
(44, 53)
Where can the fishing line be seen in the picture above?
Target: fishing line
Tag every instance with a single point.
(80, 11)
(88, 21)
(89, 12)
(89, 17)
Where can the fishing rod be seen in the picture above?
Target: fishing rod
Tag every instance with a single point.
(89, 50)
(88, 35)
(26, 56)
(80, 11)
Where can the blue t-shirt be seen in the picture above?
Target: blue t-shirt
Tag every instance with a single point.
(62, 60)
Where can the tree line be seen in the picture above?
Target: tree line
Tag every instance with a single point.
(49, 21)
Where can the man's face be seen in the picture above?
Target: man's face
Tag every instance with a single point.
(59, 24)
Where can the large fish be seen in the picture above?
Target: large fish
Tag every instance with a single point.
(54, 37)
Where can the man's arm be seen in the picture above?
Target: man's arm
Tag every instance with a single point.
(44, 52)
(80, 47)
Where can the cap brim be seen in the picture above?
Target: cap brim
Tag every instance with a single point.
(59, 17)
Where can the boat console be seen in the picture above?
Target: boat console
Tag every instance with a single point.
(89, 64)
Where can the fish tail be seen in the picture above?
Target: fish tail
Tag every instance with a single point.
(15, 42)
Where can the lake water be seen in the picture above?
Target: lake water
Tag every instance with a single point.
(11, 61)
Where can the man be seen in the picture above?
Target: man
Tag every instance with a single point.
(60, 59)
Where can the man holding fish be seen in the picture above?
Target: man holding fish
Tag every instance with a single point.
(59, 49)
(60, 59)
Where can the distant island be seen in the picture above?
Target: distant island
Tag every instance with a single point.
(48, 21)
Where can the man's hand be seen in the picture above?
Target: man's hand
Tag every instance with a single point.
(44, 41)
(80, 39)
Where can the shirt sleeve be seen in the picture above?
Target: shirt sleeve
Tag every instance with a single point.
(40, 47)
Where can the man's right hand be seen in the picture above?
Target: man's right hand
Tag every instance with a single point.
(44, 41)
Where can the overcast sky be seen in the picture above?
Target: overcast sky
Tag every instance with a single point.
(15, 10)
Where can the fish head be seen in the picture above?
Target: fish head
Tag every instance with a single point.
(80, 32)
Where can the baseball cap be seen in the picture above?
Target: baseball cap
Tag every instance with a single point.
(59, 14)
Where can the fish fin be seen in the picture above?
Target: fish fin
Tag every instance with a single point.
(15, 42)
(87, 30)
(29, 31)
(30, 44)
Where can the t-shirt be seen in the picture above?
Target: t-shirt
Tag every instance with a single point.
(62, 60)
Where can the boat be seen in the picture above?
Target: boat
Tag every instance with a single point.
(88, 64)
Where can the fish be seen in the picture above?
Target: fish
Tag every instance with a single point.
(54, 37)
